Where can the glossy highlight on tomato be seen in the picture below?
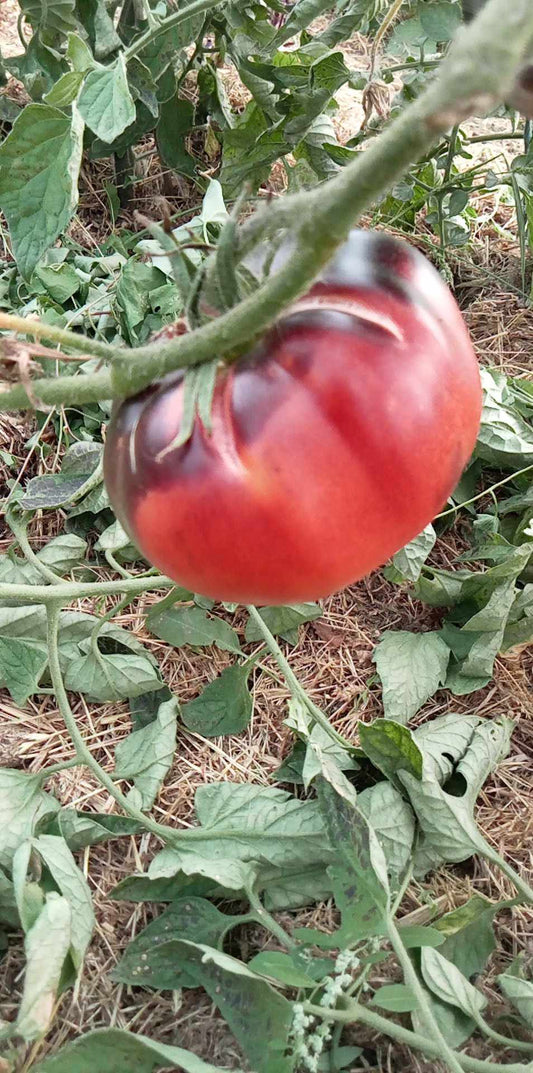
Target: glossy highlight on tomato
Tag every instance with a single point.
(333, 442)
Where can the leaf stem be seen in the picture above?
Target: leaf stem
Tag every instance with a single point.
(47, 772)
(478, 70)
(292, 681)
(411, 979)
(84, 754)
(39, 330)
(187, 12)
(73, 590)
(18, 528)
(355, 1012)
(266, 920)
(504, 1041)
(486, 492)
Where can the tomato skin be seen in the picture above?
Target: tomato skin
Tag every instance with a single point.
(334, 442)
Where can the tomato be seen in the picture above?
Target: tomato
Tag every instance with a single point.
(334, 441)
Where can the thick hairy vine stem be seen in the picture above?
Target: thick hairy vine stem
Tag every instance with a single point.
(477, 73)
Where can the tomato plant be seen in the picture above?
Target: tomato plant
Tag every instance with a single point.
(334, 441)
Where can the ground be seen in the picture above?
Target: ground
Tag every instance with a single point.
(333, 659)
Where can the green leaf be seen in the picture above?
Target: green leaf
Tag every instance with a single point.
(21, 667)
(520, 993)
(224, 707)
(61, 281)
(105, 101)
(46, 947)
(359, 870)
(259, 1016)
(112, 539)
(393, 822)
(22, 805)
(111, 678)
(190, 918)
(448, 830)
(80, 829)
(449, 984)
(146, 755)
(281, 967)
(414, 937)
(410, 560)
(54, 490)
(411, 667)
(505, 439)
(391, 747)
(8, 902)
(191, 626)
(395, 997)
(476, 645)
(176, 121)
(247, 824)
(440, 21)
(59, 861)
(99, 26)
(79, 54)
(115, 1051)
(283, 620)
(65, 90)
(455, 1025)
(469, 935)
(55, 16)
(39, 164)
(63, 552)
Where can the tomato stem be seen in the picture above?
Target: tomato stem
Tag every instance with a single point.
(319, 220)
(295, 686)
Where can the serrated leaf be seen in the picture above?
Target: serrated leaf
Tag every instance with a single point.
(191, 626)
(22, 664)
(61, 281)
(63, 552)
(190, 918)
(224, 706)
(112, 539)
(39, 164)
(259, 1016)
(55, 16)
(111, 678)
(520, 994)
(391, 747)
(505, 439)
(449, 984)
(411, 667)
(398, 998)
(441, 20)
(448, 830)
(359, 870)
(468, 934)
(46, 947)
(393, 822)
(176, 121)
(115, 1050)
(145, 756)
(22, 805)
(414, 936)
(59, 861)
(282, 620)
(410, 560)
(65, 89)
(250, 827)
(80, 829)
(281, 967)
(105, 101)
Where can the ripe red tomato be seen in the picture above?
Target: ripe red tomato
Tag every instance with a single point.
(334, 441)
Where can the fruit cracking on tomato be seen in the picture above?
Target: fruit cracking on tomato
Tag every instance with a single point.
(333, 442)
